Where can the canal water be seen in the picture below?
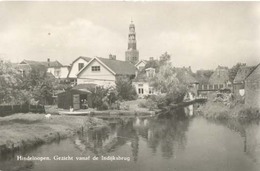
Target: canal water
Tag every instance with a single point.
(149, 144)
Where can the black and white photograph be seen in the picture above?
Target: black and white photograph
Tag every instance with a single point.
(129, 85)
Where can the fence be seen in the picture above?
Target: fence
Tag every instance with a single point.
(213, 86)
(6, 110)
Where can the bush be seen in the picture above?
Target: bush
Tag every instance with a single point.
(218, 110)
(149, 104)
(125, 89)
(103, 97)
(249, 113)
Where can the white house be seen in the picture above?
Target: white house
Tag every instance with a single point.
(141, 82)
(76, 66)
(59, 72)
(102, 71)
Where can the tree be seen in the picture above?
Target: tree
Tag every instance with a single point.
(10, 87)
(103, 97)
(233, 71)
(41, 85)
(125, 89)
(166, 82)
(164, 58)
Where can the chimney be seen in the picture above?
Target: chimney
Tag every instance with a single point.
(151, 58)
(48, 60)
(112, 57)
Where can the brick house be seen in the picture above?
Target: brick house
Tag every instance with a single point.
(239, 81)
(252, 88)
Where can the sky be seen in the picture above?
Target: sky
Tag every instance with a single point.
(202, 35)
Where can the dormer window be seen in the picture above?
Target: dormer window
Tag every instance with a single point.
(95, 68)
(80, 66)
(150, 72)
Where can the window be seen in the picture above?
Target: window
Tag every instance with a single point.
(57, 72)
(95, 68)
(151, 90)
(205, 86)
(80, 66)
(22, 72)
(140, 91)
(150, 72)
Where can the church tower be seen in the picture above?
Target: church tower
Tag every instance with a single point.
(132, 54)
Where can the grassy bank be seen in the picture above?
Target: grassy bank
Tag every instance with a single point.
(136, 107)
(21, 131)
(218, 110)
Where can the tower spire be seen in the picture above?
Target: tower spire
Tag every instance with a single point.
(132, 53)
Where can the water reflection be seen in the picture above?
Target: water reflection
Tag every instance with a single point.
(166, 135)
(7, 163)
(169, 135)
(250, 133)
(106, 140)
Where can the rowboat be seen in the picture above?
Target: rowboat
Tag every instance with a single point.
(75, 113)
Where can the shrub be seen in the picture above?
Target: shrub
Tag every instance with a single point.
(149, 104)
(103, 97)
(125, 89)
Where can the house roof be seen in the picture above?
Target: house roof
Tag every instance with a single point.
(185, 74)
(144, 61)
(52, 64)
(27, 64)
(242, 73)
(220, 76)
(87, 59)
(117, 67)
(84, 87)
(46, 64)
(256, 77)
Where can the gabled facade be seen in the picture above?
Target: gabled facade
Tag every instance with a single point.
(76, 66)
(54, 67)
(26, 66)
(220, 79)
(140, 65)
(57, 69)
(252, 88)
(102, 71)
(59, 72)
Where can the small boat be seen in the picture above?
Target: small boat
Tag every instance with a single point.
(75, 113)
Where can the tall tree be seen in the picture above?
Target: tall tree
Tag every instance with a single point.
(233, 71)
(10, 88)
(166, 82)
(164, 58)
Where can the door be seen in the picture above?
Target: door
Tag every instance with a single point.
(76, 102)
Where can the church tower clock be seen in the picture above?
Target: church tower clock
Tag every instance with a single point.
(132, 54)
